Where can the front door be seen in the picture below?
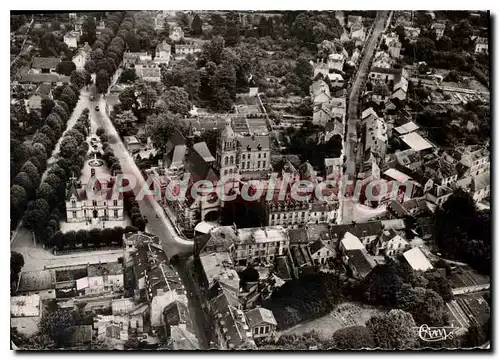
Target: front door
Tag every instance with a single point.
(95, 214)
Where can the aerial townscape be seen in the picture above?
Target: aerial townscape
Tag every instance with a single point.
(250, 180)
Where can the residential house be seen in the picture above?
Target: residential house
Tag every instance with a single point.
(179, 326)
(337, 80)
(417, 260)
(148, 71)
(441, 171)
(132, 143)
(380, 93)
(81, 57)
(481, 45)
(287, 212)
(473, 160)
(438, 29)
(40, 283)
(437, 194)
(231, 328)
(187, 49)
(366, 232)
(387, 75)
(336, 62)
(412, 33)
(162, 53)
(130, 58)
(261, 322)
(390, 243)
(321, 252)
(394, 45)
(355, 256)
(375, 135)
(101, 278)
(176, 34)
(400, 89)
(71, 39)
(354, 19)
(335, 108)
(382, 60)
(45, 65)
(320, 92)
(477, 185)
(43, 92)
(358, 35)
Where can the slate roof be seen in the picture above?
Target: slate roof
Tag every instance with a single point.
(358, 229)
(230, 322)
(298, 236)
(260, 315)
(253, 142)
(361, 261)
(45, 63)
(36, 280)
(43, 78)
(316, 246)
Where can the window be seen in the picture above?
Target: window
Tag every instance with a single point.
(258, 164)
(248, 164)
(115, 213)
(243, 156)
(265, 155)
(73, 203)
(115, 202)
(260, 155)
(74, 214)
(263, 164)
(94, 202)
(243, 166)
(226, 160)
(267, 329)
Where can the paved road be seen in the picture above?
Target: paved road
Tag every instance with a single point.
(173, 244)
(351, 140)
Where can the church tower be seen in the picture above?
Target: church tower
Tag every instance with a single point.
(227, 151)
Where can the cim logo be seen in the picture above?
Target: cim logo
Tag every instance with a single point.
(432, 334)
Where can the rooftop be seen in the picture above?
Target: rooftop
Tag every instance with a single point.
(406, 128)
(416, 142)
(361, 261)
(417, 260)
(260, 315)
(218, 267)
(262, 235)
(25, 306)
(36, 280)
(351, 242)
(45, 62)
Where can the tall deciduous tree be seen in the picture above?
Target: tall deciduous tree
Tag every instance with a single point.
(58, 325)
(394, 330)
(353, 337)
(160, 127)
(197, 26)
(175, 100)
